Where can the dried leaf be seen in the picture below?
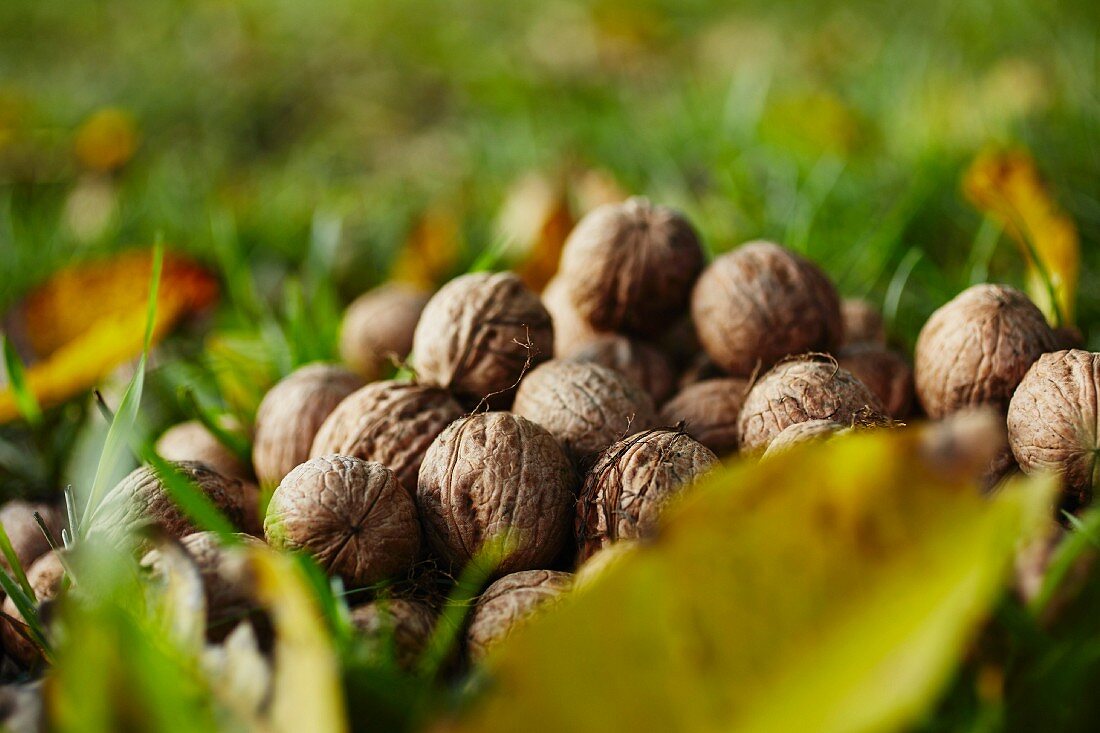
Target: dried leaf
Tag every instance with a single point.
(535, 221)
(430, 254)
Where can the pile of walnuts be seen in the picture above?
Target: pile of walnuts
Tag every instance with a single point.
(539, 432)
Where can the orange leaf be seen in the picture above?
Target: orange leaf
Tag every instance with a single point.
(430, 253)
(535, 220)
(89, 319)
(1006, 186)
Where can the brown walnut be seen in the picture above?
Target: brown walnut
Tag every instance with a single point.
(509, 603)
(191, 441)
(378, 328)
(571, 331)
(862, 323)
(760, 303)
(806, 388)
(479, 334)
(975, 349)
(407, 624)
(640, 362)
(884, 372)
(46, 576)
(26, 536)
(351, 515)
(628, 488)
(390, 422)
(587, 407)
(709, 410)
(290, 415)
(630, 267)
(496, 476)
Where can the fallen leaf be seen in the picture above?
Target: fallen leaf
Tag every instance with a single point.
(534, 222)
(1005, 185)
(431, 251)
(832, 591)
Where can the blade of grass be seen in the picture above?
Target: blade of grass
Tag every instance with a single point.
(26, 605)
(190, 499)
(1084, 537)
(13, 561)
(897, 284)
(17, 379)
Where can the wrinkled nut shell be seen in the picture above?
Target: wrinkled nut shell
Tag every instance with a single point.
(141, 498)
(290, 415)
(389, 422)
(45, 576)
(479, 334)
(801, 433)
(760, 303)
(407, 623)
(351, 515)
(884, 372)
(378, 328)
(862, 323)
(191, 441)
(587, 407)
(630, 267)
(975, 349)
(641, 363)
(709, 411)
(491, 475)
(628, 488)
(799, 390)
(27, 539)
(571, 331)
(510, 602)
(1054, 418)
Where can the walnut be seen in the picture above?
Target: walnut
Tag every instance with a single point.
(862, 323)
(587, 407)
(479, 334)
(571, 331)
(291, 413)
(976, 349)
(191, 441)
(406, 624)
(46, 576)
(496, 476)
(884, 372)
(225, 579)
(803, 432)
(509, 603)
(351, 515)
(760, 303)
(1054, 420)
(378, 328)
(141, 498)
(640, 362)
(390, 422)
(26, 536)
(628, 488)
(630, 267)
(806, 388)
(709, 411)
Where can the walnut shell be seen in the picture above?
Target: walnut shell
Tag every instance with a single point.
(640, 362)
(290, 415)
(479, 334)
(351, 515)
(191, 441)
(407, 624)
(509, 603)
(884, 372)
(626, 491)
(495, 474)
(587, 407)
(630, 267)
(760, 303)
(225, 579)
(862, 323)
(46, 576)
(802, 432)
(378, 328)
(141, 498)
(571, 331)
(802, 389)
(975, 349)
(26, 536)
(389, 422)
(709, 411)
(1054, 419)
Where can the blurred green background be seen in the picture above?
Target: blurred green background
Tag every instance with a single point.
(841, 129)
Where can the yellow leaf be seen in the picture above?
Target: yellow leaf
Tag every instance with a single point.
(831, 591)
(107, 140)
(307, 693)
(1006, 186)
(535, 221)
(430, 254)
(89, 319)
